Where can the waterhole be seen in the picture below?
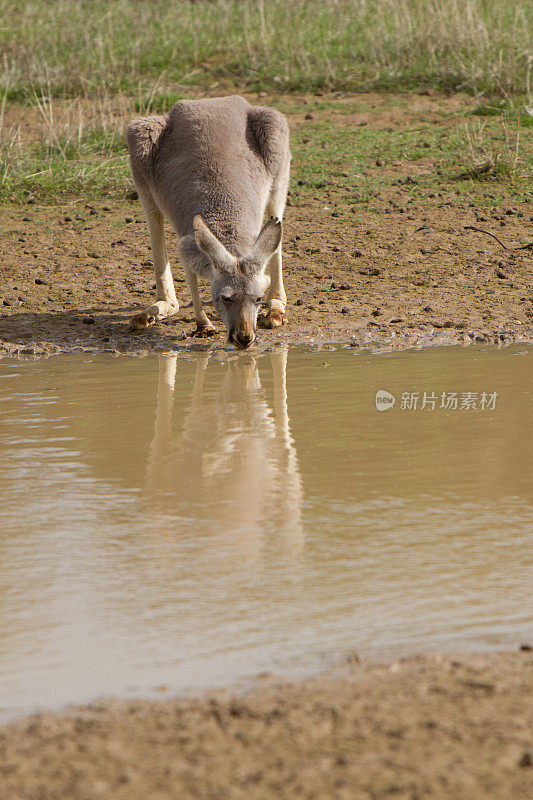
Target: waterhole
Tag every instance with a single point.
(172, 524)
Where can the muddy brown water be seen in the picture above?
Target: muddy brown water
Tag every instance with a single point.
(174, 524)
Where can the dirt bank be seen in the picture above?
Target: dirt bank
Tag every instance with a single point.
(425, 727)
(74, 283)
(379, 255)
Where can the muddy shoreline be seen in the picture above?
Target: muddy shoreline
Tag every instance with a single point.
(425, 726)
(80, 288)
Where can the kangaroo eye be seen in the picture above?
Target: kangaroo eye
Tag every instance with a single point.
(227, 299)
(259, 300)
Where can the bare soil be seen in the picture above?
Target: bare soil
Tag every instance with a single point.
(406, 276)
(426, 727)
(68, 283)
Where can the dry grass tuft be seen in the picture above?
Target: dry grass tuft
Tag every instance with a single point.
(496, 155)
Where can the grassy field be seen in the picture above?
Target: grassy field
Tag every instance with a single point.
(74, 72)
(75, 46)
(81, 150)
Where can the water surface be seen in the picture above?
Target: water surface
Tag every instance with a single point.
(192, 523)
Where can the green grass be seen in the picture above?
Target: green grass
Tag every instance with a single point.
(333, 161)
(515, 109)
(87, 67)
(329, 157)
(72, 47)
(93, 166)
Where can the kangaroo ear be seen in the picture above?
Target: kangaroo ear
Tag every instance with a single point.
(266, 244)
(211, 246)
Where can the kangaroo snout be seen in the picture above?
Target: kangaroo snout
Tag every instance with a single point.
(242, 336)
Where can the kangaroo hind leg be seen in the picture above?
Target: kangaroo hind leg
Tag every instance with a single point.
(277, 299)
(166, 304)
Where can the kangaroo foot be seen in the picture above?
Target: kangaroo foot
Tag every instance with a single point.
(205, 332)
(156, 313)
(272, 319)
(141, 321)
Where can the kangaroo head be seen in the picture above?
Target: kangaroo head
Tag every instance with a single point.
(238, 285)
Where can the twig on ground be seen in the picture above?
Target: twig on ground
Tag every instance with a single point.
(528, 246)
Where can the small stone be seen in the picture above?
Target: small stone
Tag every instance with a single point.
(88, 320)
(501, 274)
(129, 219)
(308, 116)
(299, 302)
(526, 759)
(377, 312)
(526, 648)
(40, 282)
(379, 162)
(345, 310)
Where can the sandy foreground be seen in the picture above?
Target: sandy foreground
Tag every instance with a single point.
(425, 727)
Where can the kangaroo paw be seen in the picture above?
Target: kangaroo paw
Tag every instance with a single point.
(204, 333)
(272, 319)
(141, 321)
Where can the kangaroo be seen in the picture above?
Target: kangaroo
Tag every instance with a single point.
(215, 168)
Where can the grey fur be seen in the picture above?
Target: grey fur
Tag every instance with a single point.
(214, 168)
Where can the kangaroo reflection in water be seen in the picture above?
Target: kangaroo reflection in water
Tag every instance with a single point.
(233, 469)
